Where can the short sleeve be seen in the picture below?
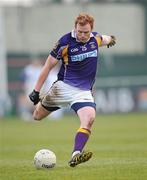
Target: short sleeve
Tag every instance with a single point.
(98, 39)
(56, 52)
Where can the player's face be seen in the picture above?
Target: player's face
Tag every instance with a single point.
(83, 32)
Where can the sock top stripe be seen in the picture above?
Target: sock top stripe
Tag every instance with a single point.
(83, 130)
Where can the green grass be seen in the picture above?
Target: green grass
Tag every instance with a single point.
(119, 144)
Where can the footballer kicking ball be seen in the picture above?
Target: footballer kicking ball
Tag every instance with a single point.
(44, 159)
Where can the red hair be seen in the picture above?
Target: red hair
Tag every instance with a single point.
(84, 19)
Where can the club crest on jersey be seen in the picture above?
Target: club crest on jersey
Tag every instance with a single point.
(83, 56)
(84, 48)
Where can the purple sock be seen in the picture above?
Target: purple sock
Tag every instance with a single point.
(81, 138)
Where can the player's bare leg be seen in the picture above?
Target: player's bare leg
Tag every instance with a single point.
(40, 112)
(86, 116)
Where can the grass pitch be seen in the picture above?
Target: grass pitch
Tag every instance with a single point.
(119, 144)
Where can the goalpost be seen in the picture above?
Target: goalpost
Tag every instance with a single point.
(4, 97)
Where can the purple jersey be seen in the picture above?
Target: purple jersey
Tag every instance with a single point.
(79, 60)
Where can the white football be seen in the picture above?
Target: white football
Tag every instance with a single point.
(44, 158)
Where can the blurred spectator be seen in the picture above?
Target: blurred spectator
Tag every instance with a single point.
(142, 99)
(28, 76)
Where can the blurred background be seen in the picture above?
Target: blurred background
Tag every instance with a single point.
(30, 28)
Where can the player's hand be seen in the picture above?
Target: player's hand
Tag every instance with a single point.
(34, 97)
(112, 42)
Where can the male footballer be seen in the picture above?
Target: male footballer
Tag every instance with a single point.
(78, 51)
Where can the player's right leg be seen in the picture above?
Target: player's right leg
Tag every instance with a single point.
(40, 112)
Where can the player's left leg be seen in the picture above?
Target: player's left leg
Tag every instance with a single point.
(86, 116)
